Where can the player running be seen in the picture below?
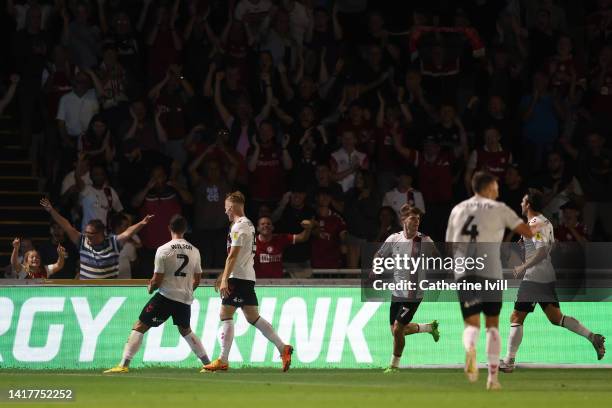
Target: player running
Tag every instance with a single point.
(538, 284)
(404, 304)
(475, 221)
(237, 286)
(177, 273)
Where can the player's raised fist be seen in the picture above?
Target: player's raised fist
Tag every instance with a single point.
(16, 243)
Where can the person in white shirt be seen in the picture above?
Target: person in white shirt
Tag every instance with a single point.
(404, 303)
(538, 284)
(404, 193)
(128, 254)
(177, 274)
(254, 13)
(300, 19)
(347, 160)
(475, 230)
(99, 199)
(76, 109)
(237, 286)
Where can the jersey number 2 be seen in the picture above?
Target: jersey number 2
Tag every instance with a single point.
(179, 271)
(471, 231)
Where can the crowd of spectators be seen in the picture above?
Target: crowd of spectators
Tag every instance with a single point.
(334, 111)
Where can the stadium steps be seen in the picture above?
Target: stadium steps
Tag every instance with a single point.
(20, 193)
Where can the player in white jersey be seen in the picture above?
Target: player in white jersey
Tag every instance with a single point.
(237, 286)
(404, 303)
(538, 284)
(177, 273)
(476, 228)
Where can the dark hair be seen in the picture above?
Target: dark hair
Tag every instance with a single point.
(535, 199)
(481, 180)
(98, 225)
(407, 210)
(117, 219)
(178, 224)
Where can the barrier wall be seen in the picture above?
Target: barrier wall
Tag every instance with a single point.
(83, 327)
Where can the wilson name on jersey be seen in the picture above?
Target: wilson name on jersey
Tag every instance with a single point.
(179, 261)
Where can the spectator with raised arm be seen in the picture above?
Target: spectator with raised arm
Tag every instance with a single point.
(32, 268)
(98, 252)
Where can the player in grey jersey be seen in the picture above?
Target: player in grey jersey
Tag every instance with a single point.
(177, 273)
(476, 228)
(538, 284)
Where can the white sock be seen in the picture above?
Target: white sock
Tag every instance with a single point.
(424, 327)
(266, 329)
(514, 340)
(131, 347)
(470, 337)
(395, 361)
(197, 347)
(493, 351)
(227, 337)
(574, 325)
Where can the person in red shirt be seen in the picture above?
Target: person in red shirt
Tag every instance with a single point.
(165, 198)
(327, 244)
(571, 229)
(267, 165)
(491, 158)
(270, 247)
(435, 177)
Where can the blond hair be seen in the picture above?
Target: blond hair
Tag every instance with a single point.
(235, 197)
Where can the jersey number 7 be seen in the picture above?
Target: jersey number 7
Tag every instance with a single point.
(179, 271)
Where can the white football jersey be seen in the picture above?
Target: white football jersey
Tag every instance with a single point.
(483, 221)
(179, 261)
(242, 234)
(543, 271)
(398, 244)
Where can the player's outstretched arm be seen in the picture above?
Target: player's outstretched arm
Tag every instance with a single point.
(127, 234)
(73, 234)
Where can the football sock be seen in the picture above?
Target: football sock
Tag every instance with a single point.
(197, 347)
(227, 337)
(514, 340)
(470, 337)
(424, 327)
(266, 329)
(574, 325)
(493, 351)
(395, 361)
(131, 347)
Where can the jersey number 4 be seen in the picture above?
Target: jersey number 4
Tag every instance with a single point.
(179, 271)
(472, 231)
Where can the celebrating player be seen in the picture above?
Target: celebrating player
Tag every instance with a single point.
(538, 284)
(237, 286)
(177, 273)
(478, 220)
(404, 303)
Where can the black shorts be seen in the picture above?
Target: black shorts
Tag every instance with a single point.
(532, 293)
(474, 302)
(402, 312)
(160, 308)
(242, 293)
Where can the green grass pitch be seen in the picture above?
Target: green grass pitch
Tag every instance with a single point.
(250, 388)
